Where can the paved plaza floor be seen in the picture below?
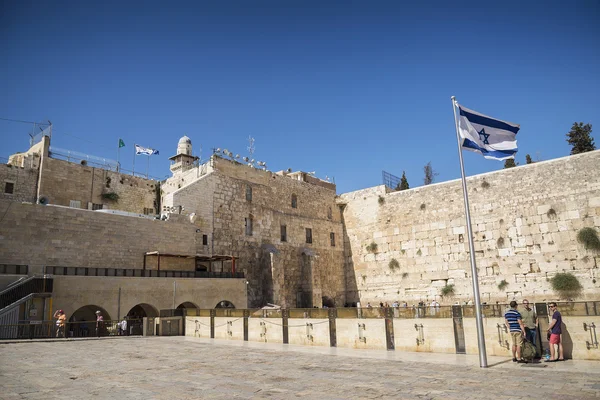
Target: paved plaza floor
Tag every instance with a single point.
(178, 368)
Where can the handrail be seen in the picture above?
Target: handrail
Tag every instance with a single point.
(33, 284)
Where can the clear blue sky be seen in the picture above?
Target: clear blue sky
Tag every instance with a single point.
(346, 89)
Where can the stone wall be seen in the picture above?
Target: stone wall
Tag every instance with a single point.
(63, 181)
(288, 273)
(525, 222)
(24, 182)
(61, 236)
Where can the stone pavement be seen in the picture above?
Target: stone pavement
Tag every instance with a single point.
(193, 368)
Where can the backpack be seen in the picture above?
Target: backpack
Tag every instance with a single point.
(528, 351)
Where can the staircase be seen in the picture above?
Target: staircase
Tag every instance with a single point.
(15, 295)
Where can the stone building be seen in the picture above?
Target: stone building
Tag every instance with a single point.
(284, 228)
(40, 176)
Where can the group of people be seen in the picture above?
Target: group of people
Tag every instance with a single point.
(522, 323)
(61, 322)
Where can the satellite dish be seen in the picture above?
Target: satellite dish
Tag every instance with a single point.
(237, 156)
(246, 159)
(43, 200)
(218, 150)
(252, 161)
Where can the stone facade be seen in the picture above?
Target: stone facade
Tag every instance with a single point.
(291, 273)
(525, 222)
(18, 183)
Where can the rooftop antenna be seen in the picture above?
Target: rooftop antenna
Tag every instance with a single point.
(251, 145)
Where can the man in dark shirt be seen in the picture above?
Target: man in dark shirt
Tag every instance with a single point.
(555, 330)
(514, 324)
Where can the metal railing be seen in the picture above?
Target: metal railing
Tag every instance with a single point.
(29, 286)
(79, 329)
(14, 269)
(133, 272)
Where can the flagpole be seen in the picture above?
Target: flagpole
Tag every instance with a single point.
(133, 169)
(478, 317)
(118, 153)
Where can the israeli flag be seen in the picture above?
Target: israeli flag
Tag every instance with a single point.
(493, 138)
(144, 150)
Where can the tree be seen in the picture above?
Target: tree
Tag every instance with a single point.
(510, 162)
(403, 185)
(430, 174)
(580, 138)
(528, 159)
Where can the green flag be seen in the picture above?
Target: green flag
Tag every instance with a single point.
(121, 143)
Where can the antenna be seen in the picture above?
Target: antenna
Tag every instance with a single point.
(251, 145)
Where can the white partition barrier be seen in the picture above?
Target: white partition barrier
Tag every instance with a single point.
(265, 330)
(231, 328)
(308, 331)
(433, 335)
(361, 333)
(198, 327)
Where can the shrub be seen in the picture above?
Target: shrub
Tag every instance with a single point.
(110, 196)
(381, 200)
(405, 274)
(393, 264)
(589, 238)
(551, 213)
(502, 285)
(372, 248)
(566, 285)
(485, 184)
(448, 290)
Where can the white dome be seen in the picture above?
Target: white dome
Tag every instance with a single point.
(185, 140)
(184, 146)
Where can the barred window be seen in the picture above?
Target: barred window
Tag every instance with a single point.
(9, 187)
(248, 224)
(308, 235)
(283, 233)
(294, 201)
(248, 193)
(332, 239)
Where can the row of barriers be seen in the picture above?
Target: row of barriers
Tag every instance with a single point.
(79, 329)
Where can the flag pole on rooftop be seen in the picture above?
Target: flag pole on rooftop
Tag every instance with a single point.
(478, 317)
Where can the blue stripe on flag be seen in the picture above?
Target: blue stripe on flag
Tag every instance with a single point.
(491, 153)
(493, 123)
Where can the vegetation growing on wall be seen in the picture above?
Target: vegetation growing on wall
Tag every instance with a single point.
(112, 196)
(551, 213)
(381, 200)
(372, 248)
(566, 285)
(589, 238)
(485, 184)
(502, 285)
(448, 290)
(393, 264)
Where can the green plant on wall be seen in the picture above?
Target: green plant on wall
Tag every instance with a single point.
(372, 248)
(448, 291)
(502, 285)
(393, 264)
(112, 196)
(405, 274)
(589, 238)
(381, 200)
(566, 285)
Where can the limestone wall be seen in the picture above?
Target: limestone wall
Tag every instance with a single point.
(290, 273)
(63, 181)
(525, 221)
(24, 182)
(51, 235)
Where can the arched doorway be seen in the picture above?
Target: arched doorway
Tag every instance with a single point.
(225, 304)
(82, 322)
(187, 305)
(328, 302)
(142, 310)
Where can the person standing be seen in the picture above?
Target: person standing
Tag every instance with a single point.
(530, 321)
(514, 323)
(99, 322)
(555, 330)
(60, 323)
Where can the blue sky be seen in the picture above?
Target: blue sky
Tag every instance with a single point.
(346, 89)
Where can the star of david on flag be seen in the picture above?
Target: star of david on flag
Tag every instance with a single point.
(493, 138)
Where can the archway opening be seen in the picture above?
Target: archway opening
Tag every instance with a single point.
(328, 302)
(82, 322)
(142, 310)
(225, 304)
(187, 304)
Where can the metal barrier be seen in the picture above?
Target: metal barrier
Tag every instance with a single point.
(28, 286)
(79, 329)
(134, 272)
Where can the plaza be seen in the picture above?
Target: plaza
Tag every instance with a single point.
(197, 368)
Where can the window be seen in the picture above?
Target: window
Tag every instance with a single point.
(75, 203)
(294, 201)
(248, 193)
(205, 240)
(308, 235)
(329, 213)
(248, 223)
(9, 187)
(332, 239)
(148, 211)
(283, 233)
(97, 206)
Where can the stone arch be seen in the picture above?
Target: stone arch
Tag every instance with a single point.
(82, 323)
(142, 310)
(224, 304)
(187, 304)
(328, 302)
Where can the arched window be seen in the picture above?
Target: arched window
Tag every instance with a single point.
(248, 193)
(294, 201)
(248, 224)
